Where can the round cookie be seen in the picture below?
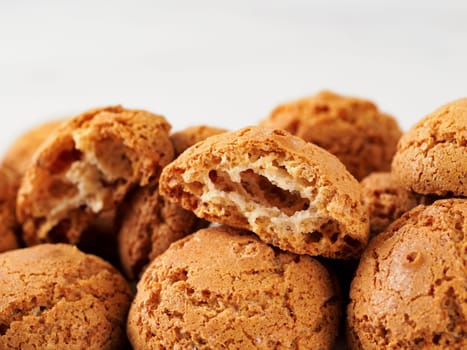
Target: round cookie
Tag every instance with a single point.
(223, 289)
(386, 200)
(431, 157)
(9, 184)
(53, 296)
(86, 167)
(186, 138)
(149, 225)
(409, 291)
(20, 154)
(353, 129)
(291, 193)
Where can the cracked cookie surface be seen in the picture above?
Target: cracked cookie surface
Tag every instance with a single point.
(353, 129)
(431, 157)
(409, 291)
(186, 138)
(221, 288)
(54, 296)
(86, 167)
(9, 183)
(289, 192)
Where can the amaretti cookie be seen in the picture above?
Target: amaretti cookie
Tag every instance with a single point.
(185, 138)
(291, 193)
(386, 200)
(223, 289)
(19, 155)
(9, 183)
(431, 157)
(53, 296)
(86, 167)
(352, 129)
(409, 291)
(149, 224)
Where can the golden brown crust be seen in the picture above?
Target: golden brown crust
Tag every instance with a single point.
(9, 183)
(409, 291)
(54, 296)
(149, 225)
(20, 154)
(223, 289)
(291, 193)
(353, 129)
(386, 200)
(86, 167)
(186, 138)
(431, 157)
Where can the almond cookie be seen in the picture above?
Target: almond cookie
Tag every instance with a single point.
(9, 184)
(223, 289)
(409, 291)
(431, 157)
(86, 167)
(291, 193)
(185, 138)
(19, 156)
(53, 296)
(386, 200)
(353, 129)
(149, 225)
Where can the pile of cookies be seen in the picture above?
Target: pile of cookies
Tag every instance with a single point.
(237, 239)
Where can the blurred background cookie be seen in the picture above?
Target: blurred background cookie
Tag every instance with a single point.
(87, 168)
(353, 129)
(185, 138)
(222, 288)
(291, 193)
(409, 291)
(19, 155)
(54, 296)
(431, 157)
(9, 227)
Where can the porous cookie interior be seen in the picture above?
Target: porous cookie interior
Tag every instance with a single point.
(264, 192)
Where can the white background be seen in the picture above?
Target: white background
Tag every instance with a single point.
(225, 63)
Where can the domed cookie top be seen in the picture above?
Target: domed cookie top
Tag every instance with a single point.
(52, 296)
(291, 193)
(20, 154)
(86, 167)
(221, 289)
(353, 129)
(409, 291)
(9, 183)
(431, 157)
(185, 138)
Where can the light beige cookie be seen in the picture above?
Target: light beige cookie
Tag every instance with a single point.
(20, 154)
(86, 167)
(431, 157)
(409, 291)
(149, 225)
(291, 193)
(9, 183)
(386, 200)
(53, 296)
(185, 138)
(353, 129)
(221, 289)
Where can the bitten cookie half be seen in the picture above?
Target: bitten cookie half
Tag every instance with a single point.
(431, 157)
(86, 167)
(352, 129)
(409, 291)
(9, 227)
(221, 288)
(291, 193)
(149, 224)
(186, 138)
(53, 296)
